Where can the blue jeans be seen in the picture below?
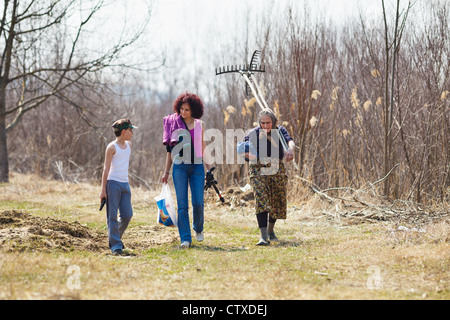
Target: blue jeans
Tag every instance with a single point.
(119, 199)
(194, 176)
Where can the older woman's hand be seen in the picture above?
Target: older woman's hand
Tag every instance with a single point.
(289, 156)
(250, 156)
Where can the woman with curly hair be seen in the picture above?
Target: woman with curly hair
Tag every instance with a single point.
(183, 138)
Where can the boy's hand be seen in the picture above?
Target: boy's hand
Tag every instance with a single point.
(102, 195)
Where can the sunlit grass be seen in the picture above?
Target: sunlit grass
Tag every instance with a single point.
(316, 258)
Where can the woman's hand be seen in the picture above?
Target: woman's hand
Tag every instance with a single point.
(165, 177)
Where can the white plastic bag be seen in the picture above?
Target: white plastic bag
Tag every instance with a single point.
(166, 215)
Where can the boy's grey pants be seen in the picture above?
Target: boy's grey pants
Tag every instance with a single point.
(119, 199)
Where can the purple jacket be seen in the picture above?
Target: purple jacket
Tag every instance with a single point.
(172, 123)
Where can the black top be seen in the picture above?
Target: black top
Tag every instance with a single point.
(272, 144)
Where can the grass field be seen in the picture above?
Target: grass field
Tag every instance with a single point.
(53, 245)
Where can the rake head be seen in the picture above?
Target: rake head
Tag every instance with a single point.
(248, 68)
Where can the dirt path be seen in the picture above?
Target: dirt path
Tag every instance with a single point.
(21, 231)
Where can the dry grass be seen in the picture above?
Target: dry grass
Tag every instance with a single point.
(318, 257)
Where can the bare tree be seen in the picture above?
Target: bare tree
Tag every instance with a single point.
(392, 47)
(42, 56)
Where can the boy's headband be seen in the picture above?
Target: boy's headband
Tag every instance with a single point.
(123, 126)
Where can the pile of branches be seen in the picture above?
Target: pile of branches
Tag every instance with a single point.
(366, 204)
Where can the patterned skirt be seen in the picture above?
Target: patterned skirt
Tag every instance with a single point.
(269, 184)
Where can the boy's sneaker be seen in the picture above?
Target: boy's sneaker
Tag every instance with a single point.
(125, 252)
(199, 236)
(117, 252)
(185, 244)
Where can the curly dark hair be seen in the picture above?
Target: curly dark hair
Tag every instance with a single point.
(194, 102)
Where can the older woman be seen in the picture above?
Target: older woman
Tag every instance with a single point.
(267, 172)
(183, 137)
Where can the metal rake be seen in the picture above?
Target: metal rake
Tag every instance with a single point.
(251, 85)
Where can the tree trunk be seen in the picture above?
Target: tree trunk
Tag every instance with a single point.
(4, 78)
(4, 166)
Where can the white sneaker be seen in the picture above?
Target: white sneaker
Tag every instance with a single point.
(185, 244)
(199, 236)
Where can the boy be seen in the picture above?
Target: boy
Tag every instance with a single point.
(115, 185)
